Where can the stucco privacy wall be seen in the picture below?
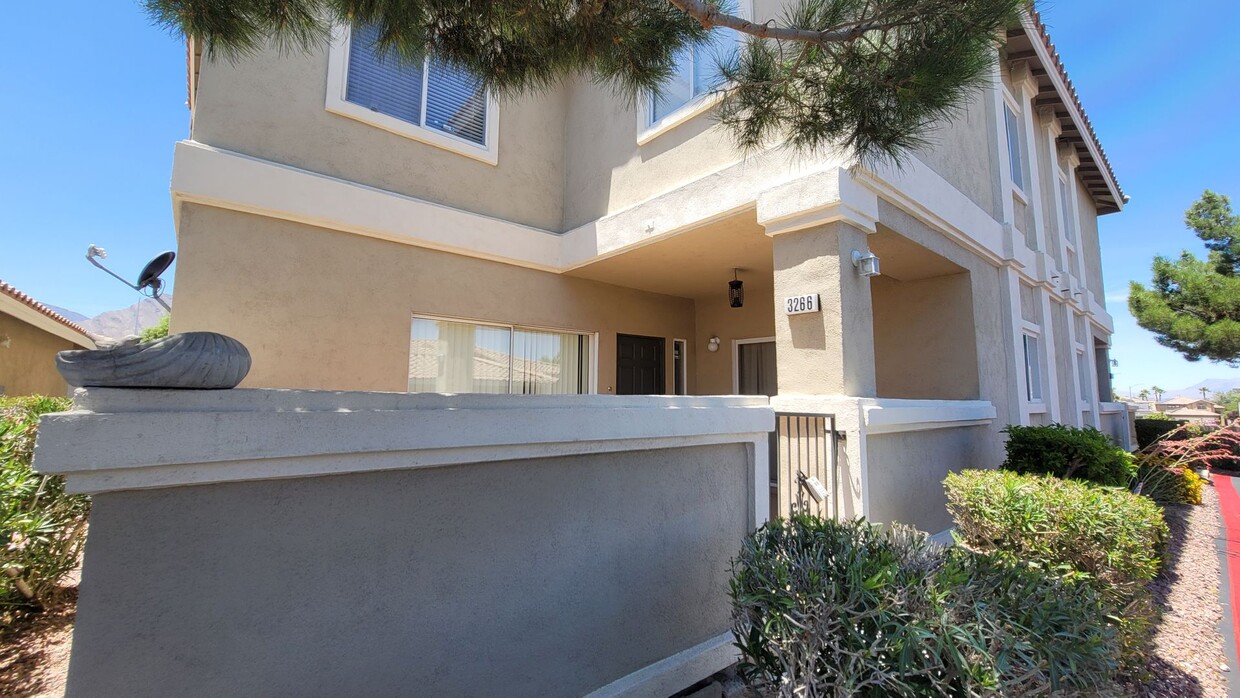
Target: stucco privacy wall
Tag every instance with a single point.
(907, 470)
(273, 106)
(28, 359)
(330, 310)
(301, 543)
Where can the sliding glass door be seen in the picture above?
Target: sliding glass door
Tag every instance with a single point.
(462, 357)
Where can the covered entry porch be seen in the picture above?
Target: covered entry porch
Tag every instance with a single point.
(878, 385)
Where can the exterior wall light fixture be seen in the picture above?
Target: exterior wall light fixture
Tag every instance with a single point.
(712, 344)
(736, 291)
(866, 264)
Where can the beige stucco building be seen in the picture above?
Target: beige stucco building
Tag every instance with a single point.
(30, 336)
(363, 228)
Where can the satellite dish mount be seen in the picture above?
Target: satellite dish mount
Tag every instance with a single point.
(148, 279)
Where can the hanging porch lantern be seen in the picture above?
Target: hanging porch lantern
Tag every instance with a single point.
(736, 291)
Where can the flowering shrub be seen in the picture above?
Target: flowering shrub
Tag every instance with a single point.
(41, 527)
(1166, 468)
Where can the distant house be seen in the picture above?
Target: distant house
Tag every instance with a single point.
(1188, 403)
(30, 335)
(1190, 409)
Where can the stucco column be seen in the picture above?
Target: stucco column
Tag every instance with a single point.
(830, 352)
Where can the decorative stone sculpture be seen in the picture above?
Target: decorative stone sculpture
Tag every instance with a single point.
(192, 360)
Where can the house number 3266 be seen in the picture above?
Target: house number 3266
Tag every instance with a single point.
(796, 305)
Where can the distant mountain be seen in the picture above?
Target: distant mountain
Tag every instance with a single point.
(1214, 385)
(118, 324)
(69, 314)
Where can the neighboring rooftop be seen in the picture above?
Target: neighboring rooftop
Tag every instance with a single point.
(1207, 414)
(1184, 401)
(9, 291)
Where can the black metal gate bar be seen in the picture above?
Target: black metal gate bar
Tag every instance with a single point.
(805, 443)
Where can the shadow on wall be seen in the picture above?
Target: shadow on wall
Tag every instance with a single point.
(925, 342)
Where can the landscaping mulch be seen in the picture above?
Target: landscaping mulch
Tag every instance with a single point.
(1188, 657)
(34, 653)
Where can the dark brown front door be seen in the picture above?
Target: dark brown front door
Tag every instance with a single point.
(639, 365)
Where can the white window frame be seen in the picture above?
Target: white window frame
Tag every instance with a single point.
(1084, 402)
(736, 359)
(1037, 404)
(649, 129)
(337, 84)
(1018, 115)
(684, 364)
(592, 338)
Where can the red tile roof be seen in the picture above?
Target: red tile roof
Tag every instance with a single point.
(1045, 38)
(24, 299)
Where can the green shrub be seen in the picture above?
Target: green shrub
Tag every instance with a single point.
(1152, 429)
(157, 331)
(41, 527)
(1108, 538)
(845, 608)
(1067, 452)
(1043, 634)
(1107, 534)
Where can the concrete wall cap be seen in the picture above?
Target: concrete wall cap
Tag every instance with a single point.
(137, 439)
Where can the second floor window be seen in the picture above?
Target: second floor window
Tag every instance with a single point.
(1016, 150)
(697, 73)
(431, 95)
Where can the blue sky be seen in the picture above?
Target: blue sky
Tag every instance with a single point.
(86, 136)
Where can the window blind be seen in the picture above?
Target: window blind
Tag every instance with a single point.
(430, 94)
(455, 103)
(381, 82)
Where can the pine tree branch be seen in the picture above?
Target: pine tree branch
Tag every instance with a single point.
(711, 16)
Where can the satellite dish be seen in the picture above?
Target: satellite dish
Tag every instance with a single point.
(149, 278)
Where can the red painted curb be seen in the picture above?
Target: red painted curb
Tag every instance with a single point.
(1229, 505)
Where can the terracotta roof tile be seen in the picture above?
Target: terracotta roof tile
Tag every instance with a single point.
(24, 299)
(1045, 37)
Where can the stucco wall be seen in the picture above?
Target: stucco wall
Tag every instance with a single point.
(273, 107)
(1065, 365)
(28, 360)
(468, 580)
(830, 352)
(331, 310)
(925, 345)
(715, 318)
(1089, 243)
(964, 151)
(990, 327)
(906, 472)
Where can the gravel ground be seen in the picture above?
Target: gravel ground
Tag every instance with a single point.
(34, 657)
(1188, 647)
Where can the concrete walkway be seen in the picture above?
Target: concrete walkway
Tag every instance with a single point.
(1228, 489)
